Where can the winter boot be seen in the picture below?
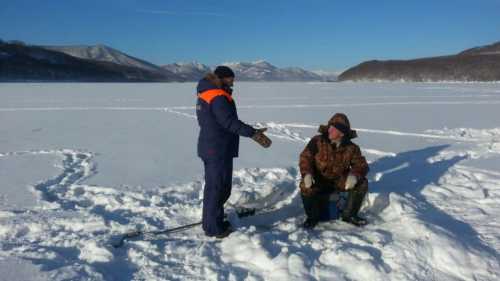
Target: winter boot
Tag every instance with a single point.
(309, 223)
(352, 207)
(227, 230)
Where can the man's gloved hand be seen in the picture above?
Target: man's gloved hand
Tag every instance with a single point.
(306, 185)
(261, 138)
(308, 181)
(351, 182)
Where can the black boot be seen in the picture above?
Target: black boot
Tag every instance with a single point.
(309, 223)
(228, 229)
(353, 204)
(314, 207)
(356, 220)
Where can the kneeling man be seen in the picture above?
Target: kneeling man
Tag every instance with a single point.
(331, 163)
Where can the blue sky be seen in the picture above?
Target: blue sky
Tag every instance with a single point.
(314, 34)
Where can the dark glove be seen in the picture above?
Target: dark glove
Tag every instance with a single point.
(262, 139)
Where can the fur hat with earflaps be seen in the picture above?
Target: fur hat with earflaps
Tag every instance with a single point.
(341, 122)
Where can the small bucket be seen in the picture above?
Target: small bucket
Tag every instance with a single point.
(335, 206)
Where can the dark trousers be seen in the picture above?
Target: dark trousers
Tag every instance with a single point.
(316, 205)
(218, 181)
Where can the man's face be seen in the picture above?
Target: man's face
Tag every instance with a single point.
(228, 81)
(334, 134)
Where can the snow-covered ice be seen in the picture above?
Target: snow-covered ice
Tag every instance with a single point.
(82, 163)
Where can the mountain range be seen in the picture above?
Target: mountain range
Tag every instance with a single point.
(476, 64)
(104, 55)
(100, 63)
(251, 71)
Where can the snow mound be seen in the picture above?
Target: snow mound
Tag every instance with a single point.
(263, 188)
(487, 141)
(92, 253)
(492, 135)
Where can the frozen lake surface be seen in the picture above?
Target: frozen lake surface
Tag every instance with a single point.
(81, 163)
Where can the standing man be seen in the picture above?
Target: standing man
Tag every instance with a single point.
(330, 163)
(218, 144)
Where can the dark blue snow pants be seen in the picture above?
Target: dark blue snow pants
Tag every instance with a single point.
(218, 181)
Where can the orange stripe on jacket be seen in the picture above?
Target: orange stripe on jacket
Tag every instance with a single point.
(209, 95)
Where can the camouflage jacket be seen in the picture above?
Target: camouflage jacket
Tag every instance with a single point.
(330, 165)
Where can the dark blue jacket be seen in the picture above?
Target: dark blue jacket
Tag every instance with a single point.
(220, 127)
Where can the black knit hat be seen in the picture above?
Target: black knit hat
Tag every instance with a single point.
(223, 71)
(342, 128)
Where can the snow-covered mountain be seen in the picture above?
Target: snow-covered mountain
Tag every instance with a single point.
(21, 62)
(249, 71)
(264, 71)
(328, 76)
(190, 71)
(104, 53)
